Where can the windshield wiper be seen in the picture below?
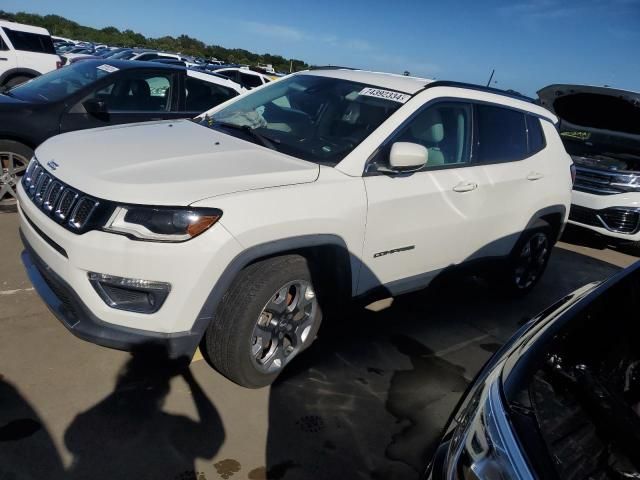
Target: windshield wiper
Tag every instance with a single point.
(264, 141)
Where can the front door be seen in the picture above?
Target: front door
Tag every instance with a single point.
(422, 222)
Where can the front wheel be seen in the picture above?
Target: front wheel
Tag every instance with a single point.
(14, 158)
(527, 262)
(267, 317)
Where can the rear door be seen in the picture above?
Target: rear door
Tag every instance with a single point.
(131, 96)
(33, 51)
(7, 55)
(507, 175)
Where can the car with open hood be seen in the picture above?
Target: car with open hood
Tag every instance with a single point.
(238, 230)
(600, 128)
(560, 400)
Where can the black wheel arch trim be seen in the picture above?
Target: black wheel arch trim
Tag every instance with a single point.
(259, 252)
(18, 71)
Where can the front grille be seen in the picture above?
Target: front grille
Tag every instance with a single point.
(70, 208)
(584, 215)
(621, 220)
(602, 182)
(615, 219)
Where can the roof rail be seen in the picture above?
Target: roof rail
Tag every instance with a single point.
(331, 67)
(480, 88)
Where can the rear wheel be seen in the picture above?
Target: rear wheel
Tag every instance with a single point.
(14, 158)
(267, 317)
(527, 262)
(15, 81)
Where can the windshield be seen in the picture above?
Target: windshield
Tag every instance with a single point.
(318, 119)
(58, 84)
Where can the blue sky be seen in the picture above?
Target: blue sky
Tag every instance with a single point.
(530, 43)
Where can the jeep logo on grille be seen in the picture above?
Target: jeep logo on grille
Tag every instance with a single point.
(52, 164)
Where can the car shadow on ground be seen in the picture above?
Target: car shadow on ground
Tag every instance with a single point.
(370, 398)
(587, 238)
(126, 435)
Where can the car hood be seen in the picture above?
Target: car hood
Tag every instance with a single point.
(600, 126)
(167, 163)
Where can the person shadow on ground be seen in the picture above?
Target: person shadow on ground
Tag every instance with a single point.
(129, 435)
(27, 450)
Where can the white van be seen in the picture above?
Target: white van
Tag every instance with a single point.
(25, 53)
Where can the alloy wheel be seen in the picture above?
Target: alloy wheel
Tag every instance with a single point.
(532, 260)
(13, 167)
(283, 326)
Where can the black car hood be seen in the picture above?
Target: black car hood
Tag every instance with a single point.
(600, 126)
(9, 102)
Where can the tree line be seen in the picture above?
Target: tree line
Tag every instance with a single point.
(112, 36)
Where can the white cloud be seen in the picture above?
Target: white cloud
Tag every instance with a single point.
(273, 30)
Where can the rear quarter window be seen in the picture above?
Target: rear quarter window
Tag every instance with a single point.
(535, 135)
(501, 134)
(30, 42)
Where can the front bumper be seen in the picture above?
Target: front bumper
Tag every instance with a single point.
(62, 260)
(65, 304)
(616, 216)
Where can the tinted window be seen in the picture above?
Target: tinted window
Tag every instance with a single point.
(147, 56)
(3, 46)
(136, 93)
(535, 135)
(202, 96)
(250, 81)
(501, 134)
(445, 129)
(319, 119)
(30, 42)
(61, 83)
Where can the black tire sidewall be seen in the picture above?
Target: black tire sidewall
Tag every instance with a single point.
(508, 277)
(235, 322)
(15, 81)
(7, 205)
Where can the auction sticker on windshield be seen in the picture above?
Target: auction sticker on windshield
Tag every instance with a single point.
(108, 68)
(386, 94)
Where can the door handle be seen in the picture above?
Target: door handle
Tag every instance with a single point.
(3, 59)
(465, 187)
(533, 176)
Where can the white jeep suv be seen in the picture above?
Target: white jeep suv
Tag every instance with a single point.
(25, 52)
(235, 231)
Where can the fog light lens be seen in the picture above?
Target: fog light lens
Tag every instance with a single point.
(130, 294)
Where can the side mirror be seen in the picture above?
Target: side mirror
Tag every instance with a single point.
(95, 107)
(408, 157)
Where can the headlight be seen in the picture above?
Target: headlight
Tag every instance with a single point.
(161, 224)
(483, 446)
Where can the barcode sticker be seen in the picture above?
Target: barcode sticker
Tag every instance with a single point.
(386, 94)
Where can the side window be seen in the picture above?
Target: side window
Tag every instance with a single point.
(535, 135)
(147, 56)
(30, 42)
(445, 129)
(202, 96)
(501, 134)
(3, 45)
(250, 81)
(136, 93)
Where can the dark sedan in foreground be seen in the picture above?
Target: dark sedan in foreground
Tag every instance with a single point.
(97, 93)
(561, 400)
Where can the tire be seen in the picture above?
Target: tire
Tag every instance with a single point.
(14, 158)
(265, 319)
(15, 81)
(527, 262)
